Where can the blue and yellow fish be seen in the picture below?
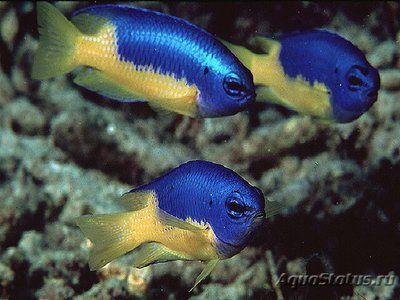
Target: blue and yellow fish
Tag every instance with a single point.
(316, 73)
(197, 211)
(133, 54)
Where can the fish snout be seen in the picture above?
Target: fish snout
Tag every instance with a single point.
(370, 96)
(249, 99)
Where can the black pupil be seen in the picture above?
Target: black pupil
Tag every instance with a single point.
(232, 85)
(354, 80)
(236, 207)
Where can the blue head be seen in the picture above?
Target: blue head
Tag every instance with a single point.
(239, 212)
(215, 194)
(321, 56)
(355, 86)
(227, 86)
(233, 207)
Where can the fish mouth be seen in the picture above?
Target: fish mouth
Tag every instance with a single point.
(227, 249)
(366, 100)
(251, 97)
(258, 219)
(371, 96)
(248, 100)
(259, 216)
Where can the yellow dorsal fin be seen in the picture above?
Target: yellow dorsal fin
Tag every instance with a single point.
(206, 271)
(89, 24)
(137, 200)
(153, 252)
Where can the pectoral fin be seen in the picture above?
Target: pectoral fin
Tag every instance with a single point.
(206, 271)
(170, 220)
(101, 83)
(273, 208)
(152, 253)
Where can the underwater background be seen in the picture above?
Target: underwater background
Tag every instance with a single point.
(66, 151)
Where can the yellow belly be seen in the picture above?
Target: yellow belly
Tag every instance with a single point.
(100, 52)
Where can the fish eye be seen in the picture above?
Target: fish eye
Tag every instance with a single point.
(355, 81)
(235, 206)
(355, 77)
(233, 85)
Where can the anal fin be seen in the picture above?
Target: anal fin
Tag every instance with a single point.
(99, 82)
(152, 253)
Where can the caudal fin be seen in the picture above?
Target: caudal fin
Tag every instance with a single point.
(111, 234)
(57, 39)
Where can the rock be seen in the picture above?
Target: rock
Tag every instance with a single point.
(24, 118)
(390, 79)
(384, 54)
(6, 89)
(9, 27)
(55, 289)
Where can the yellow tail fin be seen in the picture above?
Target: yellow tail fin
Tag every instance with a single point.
(111, 234)
(57, 39)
